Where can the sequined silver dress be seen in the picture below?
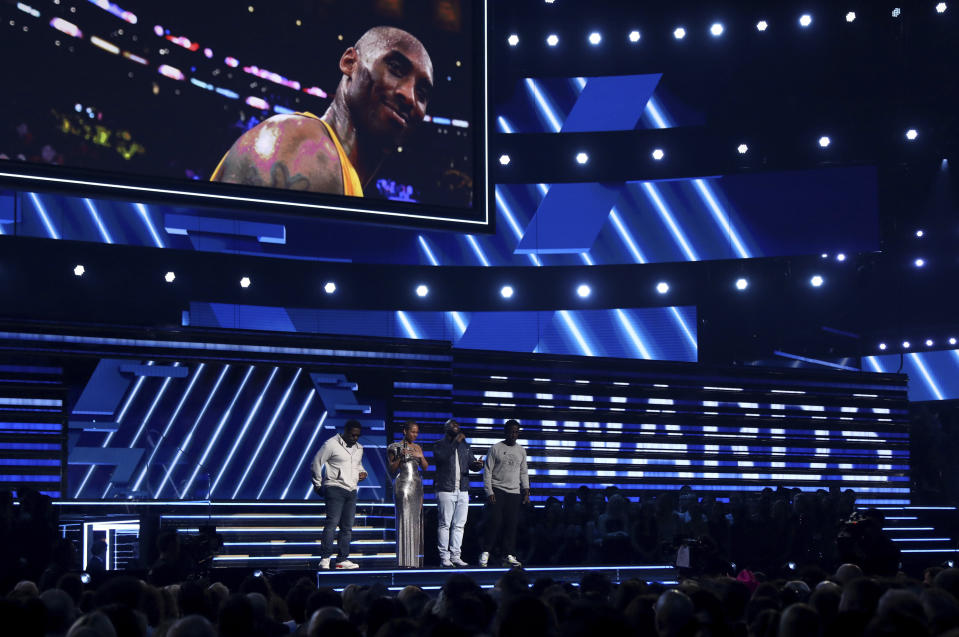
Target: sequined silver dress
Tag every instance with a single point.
(408, 499)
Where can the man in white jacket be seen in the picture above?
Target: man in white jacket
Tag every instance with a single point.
(342, 456)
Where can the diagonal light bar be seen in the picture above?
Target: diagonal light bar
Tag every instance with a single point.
(242, 435)
(477, 250)
(266, 435)
(289, 436)
(201, 463)
(682, 324)
(680, 237)
(183, 446)
(626, 236)
(169, 425)
(51, 230)
(874, 363)
(930, 382)
(306, 450)
(721, 217)
(460, 323)
(544, 106)
(633, 335)
(426, 249)
(98, 222)
(153, 406)
(145, 215)
(514, 226)
(504, 125)
(120, 417)
(407, 325)
(575, 331)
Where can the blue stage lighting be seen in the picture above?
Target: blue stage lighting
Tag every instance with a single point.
(246, 282)
(583, 291)
(896, 12)
(79, 270)
(169, 277)
(920, 233)
(513, 39)
(552, 39)
(851, 16)
(716, 29)
(422, 290)
(952, 341)
(742, 284)
(330, 287)
(762, 25)
(912, 134)
(805, 20)
(504, 160)
(824, 141)
(658, 154)
(743, 149)
(595, 38)
(919, 263)
(882, 346)
(506, 291)
(816, 281)
(929, 342)
(662, 287)
(905, 344)
(840, 257)
(941, 8)
(582, 158)
(634, 36)
(679, 33)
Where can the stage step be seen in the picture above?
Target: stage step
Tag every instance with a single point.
(925, 535)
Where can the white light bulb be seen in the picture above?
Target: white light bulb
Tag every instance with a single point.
(583, 291)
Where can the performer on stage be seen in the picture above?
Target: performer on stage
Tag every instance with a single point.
(506, 482)
(454, 460)
(406, 461)
(382, 96)
(342, 456)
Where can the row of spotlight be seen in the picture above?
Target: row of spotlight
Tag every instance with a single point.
(929, 343)
(716, 29)
(658, 154)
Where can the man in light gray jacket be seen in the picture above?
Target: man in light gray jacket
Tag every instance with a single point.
(506, 481)
(342, 456)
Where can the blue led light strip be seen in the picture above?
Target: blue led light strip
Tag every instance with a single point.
(407, 324)
(266, 435)
(306, 450)
(145, 215)
(433, 261)
(98, 222)
(286, 442)
(47, 223)
(926, 376)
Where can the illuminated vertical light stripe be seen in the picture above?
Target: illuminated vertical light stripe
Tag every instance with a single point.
(120, 417)
(427, 251)
(626, 236)
(721, 217)
(43, 216)
(153, 406)
(306, 450)
(266, 435)
(544, 106)
(286, 443)
(169, 425)
(183, 446)
(201, 463)
(874, 363)
(98, 221)
(664, 213)
(682, 324)
(477, 250)
(145, 215)
(242, 435)
(574, 330)
(930, 382)
(633, 335)
(407, 325)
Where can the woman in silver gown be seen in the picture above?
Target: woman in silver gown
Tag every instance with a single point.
(406, 461)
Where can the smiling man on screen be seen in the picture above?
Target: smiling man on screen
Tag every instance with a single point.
(382, 96)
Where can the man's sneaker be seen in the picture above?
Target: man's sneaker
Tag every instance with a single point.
(511, 561)
(446, 563)
(325, 563)
(484, 558)
(346, 564)
(458, 562)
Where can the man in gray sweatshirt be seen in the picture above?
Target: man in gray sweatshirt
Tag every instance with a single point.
(506, 481)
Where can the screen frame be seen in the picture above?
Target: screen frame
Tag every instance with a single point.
(177, 191)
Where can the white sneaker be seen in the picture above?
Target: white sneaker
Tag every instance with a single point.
(458, 562)
(325, 563)
(446, 563)
(346, 564)
(484, 558)
(511, 561)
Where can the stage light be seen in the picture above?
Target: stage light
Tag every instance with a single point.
(595, 38)
(658, 154)
(583, 291)
(169, 277)
(920, 233)
(896, 12)
(506, 291)
(742, 284)
(79, 270)
(805, 20)
(679, 33)
(743, 149)
(582, 158)
(882, 346)
(912, 134)
(662, 287)
(840, 257)
(330, 287)
(824, 255)
(851, 16)
(929, 342)
(552, 39)
(504, 160)
(906, 344)
(816, 281)
(634, 36)
(941, 8)
(513, 39)
(422, 290)
(952, 341)
(824, 142)
(919, 263)
(245, 282)
(762, 25)
(716, 29)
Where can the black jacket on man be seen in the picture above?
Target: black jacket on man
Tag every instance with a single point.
(443, 450)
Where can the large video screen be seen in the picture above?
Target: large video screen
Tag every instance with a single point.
(371, 109)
